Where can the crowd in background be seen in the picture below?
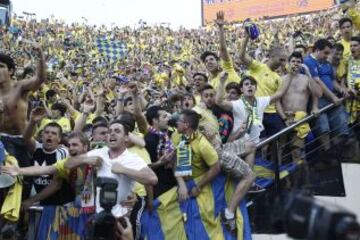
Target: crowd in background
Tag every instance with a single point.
(178, 105)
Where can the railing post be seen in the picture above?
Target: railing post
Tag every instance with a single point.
(276, 157)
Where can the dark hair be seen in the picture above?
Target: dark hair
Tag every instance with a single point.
(49, 94)
(127, 120)
(275, 51)
(99, 124)
(117, 121)
(321, 44)
(100, 119)
(152, 112)
(81, 136)
(339, 47)
(201, 74)
(4, 58)
(295, 55)
(205, 87)
(59, 106)
(55, 125)
(27, 70)
(205, 54)
(300, 46)
(356, 39)
(192, 118)
(244, 78)
(344, 20)
(189, 95)
(127, 100)
(233, 85)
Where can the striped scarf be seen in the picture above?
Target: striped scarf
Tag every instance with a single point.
(184, 155)
(253, 115)
(165, 144)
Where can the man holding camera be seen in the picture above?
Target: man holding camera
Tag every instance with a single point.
(115, 161)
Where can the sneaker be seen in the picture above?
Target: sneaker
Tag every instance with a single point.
(256, 189)
(230, 224)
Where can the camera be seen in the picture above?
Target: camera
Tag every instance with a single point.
(104, 221)
(309, 218)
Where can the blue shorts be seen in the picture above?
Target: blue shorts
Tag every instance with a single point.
(334, 121)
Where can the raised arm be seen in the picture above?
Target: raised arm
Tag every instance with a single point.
(37, 114)
(220, 94)
(80, 122)
(138, 114)
(245, 58)
(220, 23)
(35, 83)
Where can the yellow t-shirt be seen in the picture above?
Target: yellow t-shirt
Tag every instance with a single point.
(64, 122)
(89, 119)
(203, 153)
(139, 189)
(232, 75)
(346, 45)
(342, 68)
(268, 82)
(61, 170)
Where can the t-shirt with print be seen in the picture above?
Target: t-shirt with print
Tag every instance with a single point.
(225, 120)
(43, 158)
(241, 116)
(166, 179)
(125, 184)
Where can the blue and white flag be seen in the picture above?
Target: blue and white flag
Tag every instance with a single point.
(112, 50)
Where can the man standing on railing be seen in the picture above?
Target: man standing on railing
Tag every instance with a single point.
(294, 103)
(334, 121)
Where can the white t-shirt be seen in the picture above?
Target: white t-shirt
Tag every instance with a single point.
(241, 115)
(125, 184)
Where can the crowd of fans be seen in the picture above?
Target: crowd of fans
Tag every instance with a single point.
(178, 105)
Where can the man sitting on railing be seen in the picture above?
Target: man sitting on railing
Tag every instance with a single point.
(294, 103)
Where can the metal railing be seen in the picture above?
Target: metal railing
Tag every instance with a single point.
(275, 153)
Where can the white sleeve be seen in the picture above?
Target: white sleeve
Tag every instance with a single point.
(263, 102)
(94, 153)
(133, 161)
(38, 145)
(236, 107)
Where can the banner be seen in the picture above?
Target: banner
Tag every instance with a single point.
(237, 10)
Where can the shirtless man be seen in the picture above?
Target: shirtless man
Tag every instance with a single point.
(14, 104)
(293, 104)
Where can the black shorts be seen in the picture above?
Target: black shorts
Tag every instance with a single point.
(273, 123)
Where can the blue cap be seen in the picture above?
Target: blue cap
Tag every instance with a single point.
(252, 29)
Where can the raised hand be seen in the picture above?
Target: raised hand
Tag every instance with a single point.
(37, 114)
(224, 77)
(220, 21)
(88, 106)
